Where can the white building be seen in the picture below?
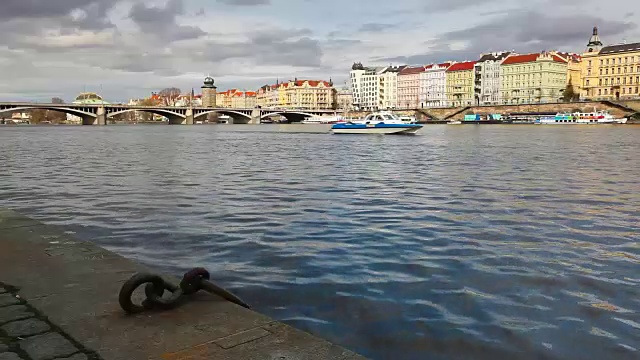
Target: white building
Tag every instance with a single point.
(344, 98)
(389, 87)
(433, 85)
(374, 88)
(487, 78)
(409, 87)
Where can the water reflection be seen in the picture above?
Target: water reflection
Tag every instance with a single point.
(466, 242)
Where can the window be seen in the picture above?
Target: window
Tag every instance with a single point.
(626, 60)
(589, 62)
(599, 91)
(587, 82)
(606, 71)
(600, 82)
(624, 81)
(600, 71)
(625, 70)
(605, 91)
(601, 61)
(636, 89)
(618, 81)
(588, 71)
(607, 61)
(624, 90)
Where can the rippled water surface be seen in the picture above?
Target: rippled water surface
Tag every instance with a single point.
(464, 242)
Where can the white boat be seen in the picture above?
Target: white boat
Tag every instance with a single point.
(321, 120)
(383, 123)
(579, 118)
(454, 122)
(408, 119)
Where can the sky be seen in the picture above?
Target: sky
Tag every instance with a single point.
(126, 49)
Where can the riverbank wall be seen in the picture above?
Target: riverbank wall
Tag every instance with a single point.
(624, 108)
(59, 300)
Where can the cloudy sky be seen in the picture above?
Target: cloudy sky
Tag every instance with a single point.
(128, 48)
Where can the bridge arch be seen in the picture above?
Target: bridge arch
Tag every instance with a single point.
(284, 113)
(224, 112)
(161, 112)
(75, 112)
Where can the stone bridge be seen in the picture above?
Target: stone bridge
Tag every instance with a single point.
(97, 114)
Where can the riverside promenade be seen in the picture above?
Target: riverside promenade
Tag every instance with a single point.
(59, 300)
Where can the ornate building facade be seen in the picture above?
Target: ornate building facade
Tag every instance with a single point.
(610, 72)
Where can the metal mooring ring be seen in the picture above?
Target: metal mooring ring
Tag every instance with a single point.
(124, 298)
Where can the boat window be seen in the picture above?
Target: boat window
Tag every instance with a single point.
(379, 118)
(388, 117)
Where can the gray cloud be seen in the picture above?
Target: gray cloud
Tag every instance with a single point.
(85, 14)
(268, 48)
(245, 2)
(37, 9)
(375, 27)
(161, 21)
(451, 5)
(523, 32)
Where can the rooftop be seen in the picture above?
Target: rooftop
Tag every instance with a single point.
(494, 56)
(520, 59)
(462, 66)
(620, 48)
(411, 70)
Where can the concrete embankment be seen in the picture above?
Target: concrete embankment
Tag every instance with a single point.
(59, 300)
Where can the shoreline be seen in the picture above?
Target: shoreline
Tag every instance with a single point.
(59, 298)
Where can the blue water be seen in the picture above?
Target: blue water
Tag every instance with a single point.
(465, 242)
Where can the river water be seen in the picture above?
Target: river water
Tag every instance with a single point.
(463, 242)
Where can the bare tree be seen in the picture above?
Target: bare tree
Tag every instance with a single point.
(147, 116)
(169, 96)
(57, 100)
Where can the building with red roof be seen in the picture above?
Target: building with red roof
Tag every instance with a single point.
(433, 85)
(533, 78)
(460, 83)
(409, 87)
(297, 94)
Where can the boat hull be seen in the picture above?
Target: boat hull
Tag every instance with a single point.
(379, 129)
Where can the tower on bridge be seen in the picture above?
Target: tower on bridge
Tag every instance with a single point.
(208, 93)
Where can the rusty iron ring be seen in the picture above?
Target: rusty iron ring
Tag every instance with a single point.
(192, 280)
(124, 298)
(155, 299)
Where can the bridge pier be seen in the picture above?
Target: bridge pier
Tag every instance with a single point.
(189, 117)
(101, 116)
(256, 116)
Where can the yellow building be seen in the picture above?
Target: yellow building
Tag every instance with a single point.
(224, 99)
(610, 72)
(243, 100)
(574, 75)
(533, 78)
(297, 94)
(460, 86)
(265, 96)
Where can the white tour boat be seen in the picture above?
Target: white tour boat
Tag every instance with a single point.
(578, 118)
(376, 123)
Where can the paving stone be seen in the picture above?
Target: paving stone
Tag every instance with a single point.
(9, 356)
(13, 313)
(75, 357)
(8, 299)
(25, 327)
(47, 346)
